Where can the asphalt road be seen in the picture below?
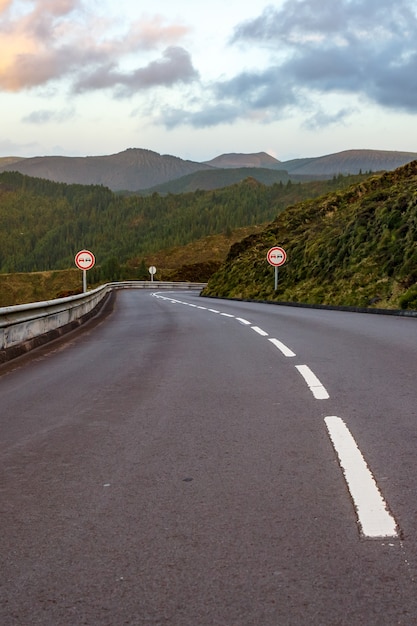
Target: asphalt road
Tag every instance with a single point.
(181, 463)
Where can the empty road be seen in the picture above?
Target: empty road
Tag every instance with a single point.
(198, 462)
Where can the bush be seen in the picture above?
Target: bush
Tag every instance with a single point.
(409, 299)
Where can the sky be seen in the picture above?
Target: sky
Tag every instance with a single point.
(293, 78)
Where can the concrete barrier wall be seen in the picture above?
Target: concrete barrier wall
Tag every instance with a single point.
(27, 326)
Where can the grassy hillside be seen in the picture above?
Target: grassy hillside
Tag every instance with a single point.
(38, 286)
(356, 247)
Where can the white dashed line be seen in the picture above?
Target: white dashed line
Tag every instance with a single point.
(281, 346)
(374, 518)
(259, 331)
(316, 388)
(373, 515)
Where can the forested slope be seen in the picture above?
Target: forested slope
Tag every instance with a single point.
(43, 224)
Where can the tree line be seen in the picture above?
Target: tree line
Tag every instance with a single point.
(43, 224)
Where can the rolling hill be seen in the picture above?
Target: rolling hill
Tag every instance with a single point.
(136, 169)
(356, 247)
(217, 179)
(237, 160)
(131, 169)
(5, 161)
(349, 162)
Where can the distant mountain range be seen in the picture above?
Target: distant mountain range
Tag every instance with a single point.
(140, 170)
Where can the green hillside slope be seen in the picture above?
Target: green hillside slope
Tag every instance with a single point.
(356, 247)
(217, 179)
(43, 224)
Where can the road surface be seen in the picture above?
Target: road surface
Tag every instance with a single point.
(198, 462)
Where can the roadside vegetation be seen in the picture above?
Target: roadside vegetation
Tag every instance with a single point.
(350, 241)
(195, 262)
(19, 288)
(356, 247)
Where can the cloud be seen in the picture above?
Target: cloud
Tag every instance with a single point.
(321, 119)
(210, 115)
(50, 40)
(5, 4)
(46, 116)
(360, 51)
(175, 66)
(10, 147)
(362, 47)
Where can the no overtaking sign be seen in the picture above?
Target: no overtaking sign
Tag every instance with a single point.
(276, 256)
(84, 260)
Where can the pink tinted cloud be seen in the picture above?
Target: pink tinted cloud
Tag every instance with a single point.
(56, 39)
(5, 4)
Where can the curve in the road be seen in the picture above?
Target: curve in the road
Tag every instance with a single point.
(374, 518)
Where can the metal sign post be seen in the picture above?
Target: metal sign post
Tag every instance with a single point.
(84, 260)
(276, 257)
(152, 271)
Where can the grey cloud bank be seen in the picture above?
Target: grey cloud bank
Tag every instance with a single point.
(322, 63)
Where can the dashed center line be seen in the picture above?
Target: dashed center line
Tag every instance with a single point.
(243, 321)
(317, 389)
(259, 331)
(281, 346)
(373, 515)
(374, 518)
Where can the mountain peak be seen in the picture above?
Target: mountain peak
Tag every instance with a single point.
(236, 159)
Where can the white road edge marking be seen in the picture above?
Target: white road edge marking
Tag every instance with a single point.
(226, 315)
(373, 515)
(259, 331)
(281, 346)
(243, 321)
(316, 388)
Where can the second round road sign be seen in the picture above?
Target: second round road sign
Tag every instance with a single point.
(276, 256)
(84, 260)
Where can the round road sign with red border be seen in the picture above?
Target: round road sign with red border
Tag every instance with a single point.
(84, 260)
(276, 256)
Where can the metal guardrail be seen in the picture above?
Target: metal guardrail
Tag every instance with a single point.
(26, 326)
(155, 284)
